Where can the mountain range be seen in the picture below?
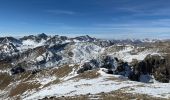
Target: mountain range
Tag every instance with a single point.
(59, 67)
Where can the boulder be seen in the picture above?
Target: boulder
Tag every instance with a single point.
(86, 66)
(17, 70)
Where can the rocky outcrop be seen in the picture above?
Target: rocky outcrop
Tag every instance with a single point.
(152, 65)
(85, 67)
(112, 64)
(85, 38)
(17, 70)
(37, 38)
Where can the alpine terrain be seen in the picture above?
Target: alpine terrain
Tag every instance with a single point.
(63, 68)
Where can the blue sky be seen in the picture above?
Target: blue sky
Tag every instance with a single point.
(99, 18)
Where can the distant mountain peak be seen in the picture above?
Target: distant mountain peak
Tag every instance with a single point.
(5, 41)
(85, 38)
(43, 36)
(10, 40)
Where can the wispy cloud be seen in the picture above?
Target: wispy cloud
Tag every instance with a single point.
(60, 12)
(137, 23)
(145, 8)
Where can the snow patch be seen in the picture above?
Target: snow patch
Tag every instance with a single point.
(125, 54)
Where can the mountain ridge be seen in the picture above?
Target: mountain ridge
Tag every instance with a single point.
(31, 65)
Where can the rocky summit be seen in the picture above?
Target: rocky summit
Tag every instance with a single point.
(63, 68)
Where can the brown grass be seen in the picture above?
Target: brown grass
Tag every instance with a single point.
(116, 79)
(66, 98)
(24, 76)
(126, 96)
(5, 80)
(116, 95)
(88, 75)
(62, 71)
(4, 65)
(22, 87)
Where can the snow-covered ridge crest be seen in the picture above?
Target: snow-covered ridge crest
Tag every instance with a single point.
(129, 52)
(67, 50)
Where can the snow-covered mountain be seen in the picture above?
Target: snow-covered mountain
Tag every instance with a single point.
(33, 67)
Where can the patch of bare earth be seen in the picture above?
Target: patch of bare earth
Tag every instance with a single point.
(4, 65)
(23, 87)
(116, 95)
(116, 79)
(91, 74)
(61, 72)
(5, 80)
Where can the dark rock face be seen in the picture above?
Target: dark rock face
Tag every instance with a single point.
(162, 75)
(37, 38)
(35, 71)
(123, 69)
(85, 38)
(17, 70)
(134, 76)
(6, 40)
(109, 71)
(58, 47)
(92, 64)
(152, 65)
(103, 43)
(108, 62)
(84, 68)
(71, 54)
(63, 38)
(43, 36)
(116, 66)
(54, 40)
(112, 64)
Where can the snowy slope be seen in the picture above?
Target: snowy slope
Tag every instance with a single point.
(85, 52)
(126, 55)
(98, 85)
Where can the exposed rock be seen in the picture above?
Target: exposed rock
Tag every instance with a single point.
(109, 62)
(85, 38)
(43, 36)
(123, 69)
(70, 54)
(86, 66)
(17, 70)
(112, 64)
(152, 65)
